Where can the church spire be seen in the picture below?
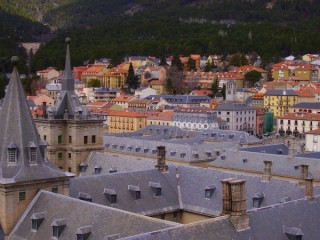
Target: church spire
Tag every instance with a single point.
(22, 155)
(67, 78)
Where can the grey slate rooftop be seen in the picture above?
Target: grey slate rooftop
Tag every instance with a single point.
(182, 145)
(251, 159)
(182, 99)
(280, 92)
(76, 216)
(274, 222)
(233, 106)
(182, 188)
(312, 105)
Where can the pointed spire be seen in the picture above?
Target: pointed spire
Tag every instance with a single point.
(19, 137)
(67, 78)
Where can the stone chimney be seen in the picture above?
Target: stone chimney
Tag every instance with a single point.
(267, 171)
(309, 188)
(304, 173)
(234, 202)
(226, 196)
(161, 164)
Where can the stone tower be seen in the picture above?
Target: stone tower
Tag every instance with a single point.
(24, 168)
(69, 128)
(231, 88)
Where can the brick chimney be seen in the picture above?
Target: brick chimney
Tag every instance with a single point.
(226, 196)
(234, 202)
(304, 173)
(267, 171)
(309, 188)
(161, 164)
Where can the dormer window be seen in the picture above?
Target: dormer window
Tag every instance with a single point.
(32, 152)
(83, 233)
(111, 195)
(36, 220)
(135, 191)
(58, 226)
(12, 153)
(257, 199)
(97, 169)
(156, 188)
(84, 197)
(209, 190)
(83, 167)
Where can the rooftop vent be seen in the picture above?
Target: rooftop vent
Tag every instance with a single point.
(113, 170)
(285, 199)
(245, 160)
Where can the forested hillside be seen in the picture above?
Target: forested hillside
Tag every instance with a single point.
(111, 28)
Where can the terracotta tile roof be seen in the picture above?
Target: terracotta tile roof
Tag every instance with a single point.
(316, 132)
(301, 116)
(201, 92)
(101, 110)
(123, 98)
(258, 96)
(162, 116)
(248, 68)
(292, 78)
(93, 69)
(126, 114)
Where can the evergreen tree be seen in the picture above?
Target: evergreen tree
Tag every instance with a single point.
(94, 82)
(163, 61)
(215, 87)
(208, 67)
(252, 77)
(132, 80)
(169, 86)
(3, 84)
(191, 64)
(176, 62)
(223, 92)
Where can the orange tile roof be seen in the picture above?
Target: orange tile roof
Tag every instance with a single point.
(248, 68)
(161, 116)
(126, 114)
(93, 69)
(201, 92)
(301, 116)
(316, 132)
(122, 98)
(292, 78)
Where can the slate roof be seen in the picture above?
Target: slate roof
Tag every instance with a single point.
(183, 187)
(113, 162)
(265, 223)
(280, 92)
(103, 221)
(283, 164)
(233, 106)
(182, 99)
(19, 132)
(309, 105)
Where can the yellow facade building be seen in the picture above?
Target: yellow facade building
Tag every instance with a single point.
(123, 121)
(278, 101)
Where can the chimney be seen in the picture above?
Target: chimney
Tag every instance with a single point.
(44, 109)
(309, 188)
(304, 172)
(267, 171)
(226, 196)
(239, 217)
(161, 164)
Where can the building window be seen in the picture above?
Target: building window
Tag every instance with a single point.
(44, 137)
(85, 139)
(70, 139)
(93, 139)
(12, 154)
(60, 155)
(33, 155)
(54, 189)
(56, 230)
(22, 196)
(35, 223)
(69, 155)
(69, 169)
(59, 139)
